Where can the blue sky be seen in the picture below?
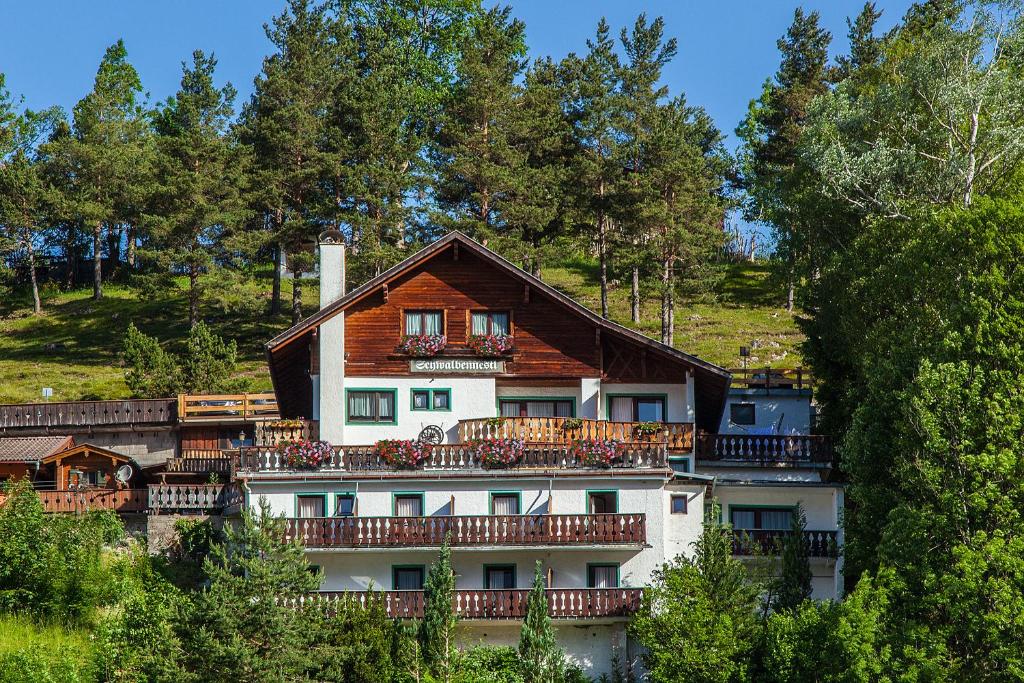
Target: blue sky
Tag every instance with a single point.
(50, 50)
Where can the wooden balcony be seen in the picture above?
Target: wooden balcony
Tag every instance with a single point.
(155, 498)
(451, 457)
(563, 603)
(195, 464)
(86, 500)
(768, 542)
(766, 449)
(273, 432)
(771, 378)
(222, 408)
(470, 531)
(201, 497)
(64, 414)
(678, 436)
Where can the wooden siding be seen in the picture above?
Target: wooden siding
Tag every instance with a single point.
(547, 341)
(160, 411)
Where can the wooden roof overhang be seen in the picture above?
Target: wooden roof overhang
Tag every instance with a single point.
(87, 450)
(289, 358)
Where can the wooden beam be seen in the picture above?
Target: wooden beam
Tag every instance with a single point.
(455, 251)
(526, 293)
(384, 290)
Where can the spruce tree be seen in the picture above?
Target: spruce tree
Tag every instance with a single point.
(200, 176)
(540, 657)
(794, 584)
(437, 630)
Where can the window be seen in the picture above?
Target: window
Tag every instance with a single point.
(407, 578)
(408, 505)
(344, 505)
(681, 465)
(424, 322)
(490, 323)
(311, 504)
(678, 505)
(602, 576)
(602, 502)
(499, 576)
(505, 503)
(761, 518)
(431, 399)
(522, 407)
(636, 408)
(371, 405)
(742, 413)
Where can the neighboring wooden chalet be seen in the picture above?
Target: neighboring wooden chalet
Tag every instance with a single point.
(20, 456)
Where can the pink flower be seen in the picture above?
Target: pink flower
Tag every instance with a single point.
(402, 454)
(494, 453)
(490, 344)
(422, 345)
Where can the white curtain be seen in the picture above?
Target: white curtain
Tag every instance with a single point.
(311, 506)
(479, 325)
(500, 578)
(409, 506)
(499, 323)
(413, 323)
(432, 322)
(776, 519)
(540, 408)
(360, 404)
(605, 577)
(622, 409)
(509, 409)
(563, 409)
(743, 519)
(408, 579)
(384, 407)
(506, 505)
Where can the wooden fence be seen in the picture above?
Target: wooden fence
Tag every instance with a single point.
(88, 413)
(226, 406)
(678, 436)
(457, 457)
(85, 500)
(563, 603)
(470, 530)
(771, 378)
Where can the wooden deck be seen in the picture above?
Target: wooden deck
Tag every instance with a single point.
(142, 412)
(226, 407)
(563, 603)
(470, 530)
(454, 457)
(678, 436)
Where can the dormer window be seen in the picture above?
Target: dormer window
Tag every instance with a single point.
(424, 322)
(490, 322)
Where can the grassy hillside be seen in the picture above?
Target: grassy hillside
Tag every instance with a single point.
(74, 346)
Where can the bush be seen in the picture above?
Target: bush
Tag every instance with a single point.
(484, 664)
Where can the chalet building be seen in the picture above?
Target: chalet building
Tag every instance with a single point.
(462, 397)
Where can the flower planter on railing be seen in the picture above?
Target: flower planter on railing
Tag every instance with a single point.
(490, 345)
(498, 453)
(402, 454)
(305, 455)
(422, 345)
(596, 452)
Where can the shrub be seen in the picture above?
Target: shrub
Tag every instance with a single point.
(596, 452)
(490, 344)
(422, 345)
(497, 453)
(402, 454)
(487, 664)
(302, 454)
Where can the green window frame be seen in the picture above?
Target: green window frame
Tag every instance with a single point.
(662, 397)
(685, 466)
(344, 494)
(375, 420)
(676, 497)
(487, 576)
(407, 494)
(602, 491)
(591, 566)
(312, 494)
(395, 568)
(431, 393)
(757, 509)
(517, 493)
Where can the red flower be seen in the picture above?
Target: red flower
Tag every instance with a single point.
(402, 454)
(496, 453)
(490, 344)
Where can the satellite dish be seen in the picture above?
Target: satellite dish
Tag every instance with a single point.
(124, 473)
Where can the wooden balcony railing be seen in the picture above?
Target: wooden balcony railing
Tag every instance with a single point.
(87, 413)
(769, 542)
(771, 378)
(474, 530)
(456, 457)
(770, 448)
(678, 436)
(85, 500)
(273, 432)
(221, 407)
(210, 497)
(563, 603)
(201, 465)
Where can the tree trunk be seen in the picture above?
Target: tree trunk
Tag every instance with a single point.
(275, 297)
(97, 261)
(132, 230)
(790, 295)
(296, 297)
(602, 257)
(666, 295)
(37, 306)
(71, 259)
(634, 295)
(114, 251)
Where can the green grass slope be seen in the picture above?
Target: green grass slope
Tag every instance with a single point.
(74, 346)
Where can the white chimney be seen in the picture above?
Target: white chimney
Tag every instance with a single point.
(332, 267)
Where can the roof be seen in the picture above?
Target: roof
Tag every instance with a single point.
(88, 449)
(31, 449)
(712, 377)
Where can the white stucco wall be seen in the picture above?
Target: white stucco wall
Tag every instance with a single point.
(792, 406)
(681, 530)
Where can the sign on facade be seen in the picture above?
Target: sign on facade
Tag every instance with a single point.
(464, 366)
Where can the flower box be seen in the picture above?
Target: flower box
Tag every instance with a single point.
(498, 453)
(490, 345)
(422, 345)
(596, 452)
(402, 454)
(646, 431)
(303, 454)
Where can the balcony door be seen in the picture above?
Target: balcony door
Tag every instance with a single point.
(770, 519)
(311, 506)
(536, 408)
(637, 409)
(500, 577)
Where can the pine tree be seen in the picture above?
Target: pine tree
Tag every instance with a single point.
(542, 660)
(437, 630)
(794, 584)
(200, 174)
